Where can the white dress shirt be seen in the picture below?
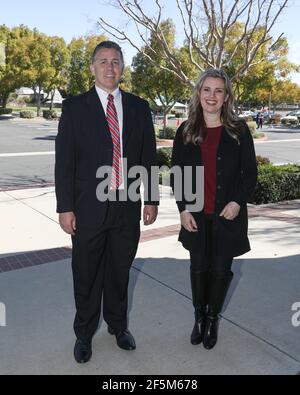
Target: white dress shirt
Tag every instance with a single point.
(103, 96)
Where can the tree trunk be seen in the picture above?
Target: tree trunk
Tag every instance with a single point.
(39, 103)
(4, 101)
(52, 99)
(165, 121)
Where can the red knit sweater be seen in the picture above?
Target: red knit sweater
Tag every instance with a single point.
(209, 149)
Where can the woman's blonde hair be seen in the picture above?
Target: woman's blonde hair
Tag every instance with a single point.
(195, 128)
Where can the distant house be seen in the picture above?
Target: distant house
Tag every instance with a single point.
(178, 108)
(25, 92)
(57, 99)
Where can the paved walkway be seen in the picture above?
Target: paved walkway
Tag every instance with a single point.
(256, 332)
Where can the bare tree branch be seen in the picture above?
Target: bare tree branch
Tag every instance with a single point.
(256, 18)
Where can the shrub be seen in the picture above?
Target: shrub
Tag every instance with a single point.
(50, 114)
(5, 111)
(262, 160)
(275, 119)
(157, 130)
(247, 118)
(289, 121)
(277, 183)
(164, 156)
(252, 126)
(257, 135)
(293, 122)
(170, 132)
(27, 114)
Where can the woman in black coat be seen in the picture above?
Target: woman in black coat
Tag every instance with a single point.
(214, 137)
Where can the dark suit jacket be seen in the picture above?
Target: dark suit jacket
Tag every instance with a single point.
(84, 143)
(236, 180)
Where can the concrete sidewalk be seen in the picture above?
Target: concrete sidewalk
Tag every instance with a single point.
(256, 332)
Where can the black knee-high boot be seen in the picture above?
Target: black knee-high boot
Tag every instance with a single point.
(218, 289)
(199, 283)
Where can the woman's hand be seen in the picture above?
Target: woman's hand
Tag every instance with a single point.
(231, 211)
(188, 222)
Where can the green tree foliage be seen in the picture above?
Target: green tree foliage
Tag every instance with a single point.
(42, 71)
(151, 81)
(126, 81)
(31, 59)
(59, 61)
(283, 91)
(16, 69)
(81, 50)
(269, 66)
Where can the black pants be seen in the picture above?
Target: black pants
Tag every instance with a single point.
(209, 260)
(101, 263)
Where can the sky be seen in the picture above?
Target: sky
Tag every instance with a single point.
(73, 18)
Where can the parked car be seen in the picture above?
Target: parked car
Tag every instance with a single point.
(291, 117)
(246, 114)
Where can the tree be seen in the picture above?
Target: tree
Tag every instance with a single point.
(81, 50)
(283, 91)
(4, 31)
(15, 70)
(270, 64)
(59, 62)
(3, 39)
(154, 83)
(126, 81)
(42, 71)
(77, 80)
(31, 59)
(269, 68)
(206, 47)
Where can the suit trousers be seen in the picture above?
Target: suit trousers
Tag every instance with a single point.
(101, 263)
(209, 260)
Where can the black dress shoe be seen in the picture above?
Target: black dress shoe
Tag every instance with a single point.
(124, 339)
(82, 351)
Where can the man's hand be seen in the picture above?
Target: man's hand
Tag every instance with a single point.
(67, 222)
(188, 222)
(231, 211)
(150, 214)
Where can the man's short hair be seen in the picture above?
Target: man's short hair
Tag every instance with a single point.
(107, 44)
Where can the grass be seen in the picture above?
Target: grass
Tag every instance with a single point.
(27, 108)
(18, 109)
(257, 135)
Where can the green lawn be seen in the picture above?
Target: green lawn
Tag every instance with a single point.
(29, 108)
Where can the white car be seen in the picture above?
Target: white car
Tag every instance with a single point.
(291, 117)
(248, 114)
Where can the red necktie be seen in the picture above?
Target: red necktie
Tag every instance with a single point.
(113, 125)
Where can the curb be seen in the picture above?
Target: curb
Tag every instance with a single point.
(264, 138)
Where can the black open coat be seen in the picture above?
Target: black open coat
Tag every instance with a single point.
(236, 179)
(84, 144)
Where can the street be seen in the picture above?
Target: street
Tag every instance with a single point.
(27, 151)
(281, 147)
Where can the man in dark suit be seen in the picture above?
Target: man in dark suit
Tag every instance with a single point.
(103, 127)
